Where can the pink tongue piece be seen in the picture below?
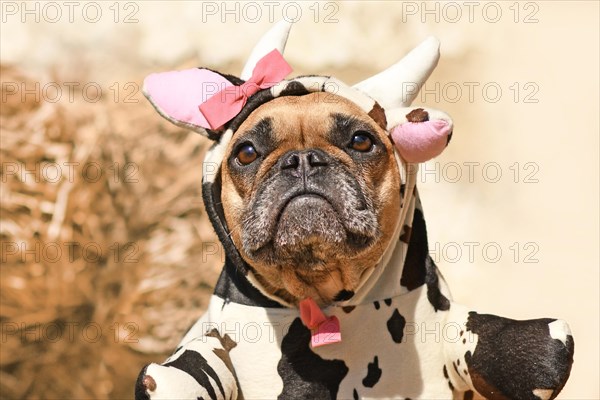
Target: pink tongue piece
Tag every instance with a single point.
(325, 330)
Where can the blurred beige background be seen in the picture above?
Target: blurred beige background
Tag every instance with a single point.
(511, 206)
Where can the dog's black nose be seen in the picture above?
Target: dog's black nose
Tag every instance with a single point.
(305, 162)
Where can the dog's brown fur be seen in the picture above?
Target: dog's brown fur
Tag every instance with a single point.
(300, 123)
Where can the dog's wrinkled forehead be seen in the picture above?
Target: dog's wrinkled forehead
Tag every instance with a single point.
(306, 120)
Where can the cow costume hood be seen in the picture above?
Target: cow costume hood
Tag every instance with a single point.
(385, 97)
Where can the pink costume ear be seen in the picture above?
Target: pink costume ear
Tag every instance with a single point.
(176, 95)
(417, 140)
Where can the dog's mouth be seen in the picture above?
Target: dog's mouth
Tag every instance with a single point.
(306, 227)
(299, 199)
(307, 204)
(305, 219)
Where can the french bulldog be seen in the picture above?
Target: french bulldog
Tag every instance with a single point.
(328, 290)
(311, 193)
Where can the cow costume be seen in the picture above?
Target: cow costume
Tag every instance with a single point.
(399, 335)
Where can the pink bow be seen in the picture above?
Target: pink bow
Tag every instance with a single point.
(226, 104)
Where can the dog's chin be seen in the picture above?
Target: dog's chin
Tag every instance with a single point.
(309, 232)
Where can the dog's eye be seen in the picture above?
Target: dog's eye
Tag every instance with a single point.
(246, 154)
(361, 141)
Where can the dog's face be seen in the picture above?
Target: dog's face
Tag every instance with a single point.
(311, 195)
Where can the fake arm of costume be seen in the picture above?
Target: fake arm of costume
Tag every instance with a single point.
(200, 369)
(502, 358)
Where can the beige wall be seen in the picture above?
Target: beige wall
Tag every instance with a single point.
(540, 133)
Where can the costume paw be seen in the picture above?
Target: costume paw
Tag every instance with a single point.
(200, 369)
(166, 382)
(519, 359)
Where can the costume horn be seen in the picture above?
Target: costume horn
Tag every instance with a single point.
(399, 85)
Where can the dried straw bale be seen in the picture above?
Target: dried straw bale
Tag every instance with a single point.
(107, 254)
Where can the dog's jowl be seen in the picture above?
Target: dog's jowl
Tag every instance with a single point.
(328, 290)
